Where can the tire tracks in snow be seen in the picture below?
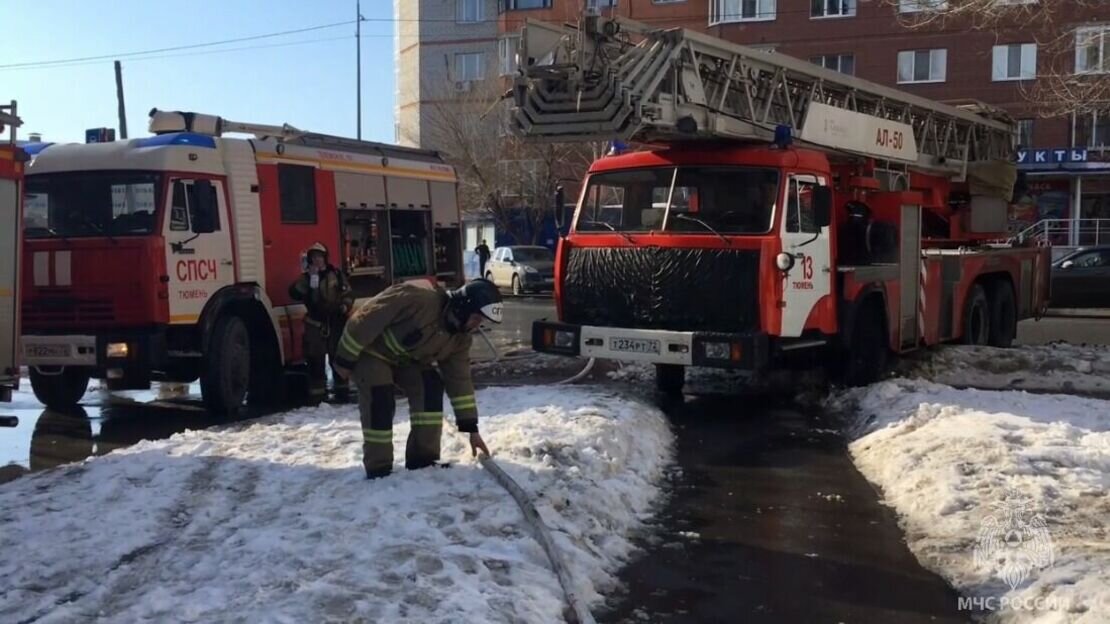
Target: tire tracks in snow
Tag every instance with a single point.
(189, 523)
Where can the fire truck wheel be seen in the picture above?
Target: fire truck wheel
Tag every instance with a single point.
(868, 354)
(1003, 323)
(226, 373)
(60, 389)
(670, 378)
(977, 317)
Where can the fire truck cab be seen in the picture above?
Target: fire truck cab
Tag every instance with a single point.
(170, 257)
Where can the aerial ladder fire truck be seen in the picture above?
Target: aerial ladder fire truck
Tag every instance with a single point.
(11, 178)
(783, 215)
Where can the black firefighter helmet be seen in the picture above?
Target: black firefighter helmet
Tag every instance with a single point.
(477, 297)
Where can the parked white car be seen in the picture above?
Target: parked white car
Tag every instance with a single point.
(523, 268)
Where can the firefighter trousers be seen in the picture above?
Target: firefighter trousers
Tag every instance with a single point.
(320, 342)
(376, 381)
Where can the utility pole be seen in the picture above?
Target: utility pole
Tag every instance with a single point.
(119, 99)
(358, 66)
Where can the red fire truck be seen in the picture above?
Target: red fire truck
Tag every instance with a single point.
(170, 257)
(784, 215)
(11, 177)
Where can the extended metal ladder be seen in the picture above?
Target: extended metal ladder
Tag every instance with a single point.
(618, 79)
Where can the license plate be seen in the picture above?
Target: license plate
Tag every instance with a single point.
(46, 350)
(634, 345)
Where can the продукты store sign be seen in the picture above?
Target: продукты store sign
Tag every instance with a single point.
(1064, 158)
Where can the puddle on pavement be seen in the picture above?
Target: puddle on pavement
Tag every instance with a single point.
(104, 422)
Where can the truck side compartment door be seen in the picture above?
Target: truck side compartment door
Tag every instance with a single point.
(10, 233)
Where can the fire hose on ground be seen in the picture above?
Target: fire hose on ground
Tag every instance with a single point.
(579, 613)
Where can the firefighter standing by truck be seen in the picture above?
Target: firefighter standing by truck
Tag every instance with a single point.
(415, 336)
(327, 296)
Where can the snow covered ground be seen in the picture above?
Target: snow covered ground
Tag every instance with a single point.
(1002, 493)
(1045, 368)
(274, 521)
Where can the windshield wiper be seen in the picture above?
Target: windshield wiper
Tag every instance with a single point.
(99, 228)
(612, 229)
(704, 225)
(49, 230)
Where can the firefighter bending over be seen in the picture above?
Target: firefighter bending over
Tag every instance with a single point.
(401, 337)
(326, 295)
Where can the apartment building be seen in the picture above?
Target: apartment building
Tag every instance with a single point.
(1065, 159)
(441, 48)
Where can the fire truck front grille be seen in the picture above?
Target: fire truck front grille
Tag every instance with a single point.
(660, 288)
(67, 310)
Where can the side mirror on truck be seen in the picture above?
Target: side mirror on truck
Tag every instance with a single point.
(206, 217)
(822, 206)
(559, 203)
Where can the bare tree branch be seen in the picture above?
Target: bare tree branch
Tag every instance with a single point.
(502, 176)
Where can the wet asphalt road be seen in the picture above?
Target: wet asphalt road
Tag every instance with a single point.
(769, 521)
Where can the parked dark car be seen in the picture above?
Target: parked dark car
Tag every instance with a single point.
(522, 268)
(1081, 279)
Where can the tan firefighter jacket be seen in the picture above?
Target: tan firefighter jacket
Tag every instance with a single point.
(404, 326)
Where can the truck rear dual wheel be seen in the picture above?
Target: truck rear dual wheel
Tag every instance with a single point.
(225, 376)
(59, 389)
(977, 317)
(869, 352)
(670, 379)
(990, 315)
(1003, 327)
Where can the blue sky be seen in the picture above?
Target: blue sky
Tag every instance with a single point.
(310, 85)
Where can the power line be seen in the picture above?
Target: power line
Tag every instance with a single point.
(192, 46)
(186, 54)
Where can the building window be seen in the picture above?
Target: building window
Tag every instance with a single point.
(468, 66)
(1016, 61)
(832, 8)
(1092, 130)
(916, 6)
(843, 63)
(922, 65)
(1092, 55)
(724, 11)
(506, 54)
(297, 192)
(468, 11)
(518, 5)
(1025, 133)
(666, 1)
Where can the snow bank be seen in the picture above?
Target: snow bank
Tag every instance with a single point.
(1045, 368)
(1002, 493)
(275, 522)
